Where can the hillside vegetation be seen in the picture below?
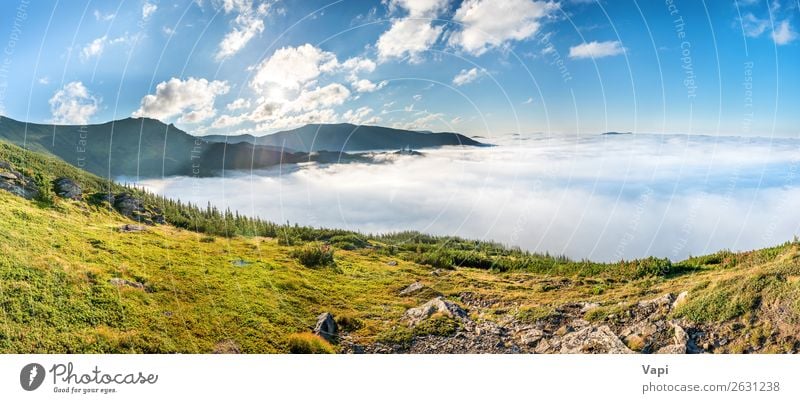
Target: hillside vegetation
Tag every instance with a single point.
(76, 276)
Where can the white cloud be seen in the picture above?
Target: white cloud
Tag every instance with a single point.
(319, 97)
(93, 48)
(247, 24)
(596, 50)
(246, 28)
(407, 38)
(588, 197)
(784, 34)
(528, 101)
(103, 17)
(73, 104)
(364, 85)
(293, 67)
(148, 9)
(315, 116)
(360, 116)
(96, 47)
(193, 99)
(239, 103)
(423, 122)
(44, 80)
(228, 121)
(359, 65)
(308, 104)
(753, 26)
(419, 8)
(466, 76)
(488, 23)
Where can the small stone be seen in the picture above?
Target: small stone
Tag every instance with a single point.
(412, 289)
(132, 228)
(119, 282)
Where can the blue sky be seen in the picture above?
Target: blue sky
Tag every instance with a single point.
(480, 67)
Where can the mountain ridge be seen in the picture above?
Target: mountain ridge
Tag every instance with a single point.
(349, 137)
(148, 148)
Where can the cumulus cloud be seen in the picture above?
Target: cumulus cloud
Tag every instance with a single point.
(99, 16)
(291, 67)
(413, 34)
(96, 47)
(364, 85)
(488, 23)
(192, 99)
(753, 26)
(361, 116)
(466, 76)
(596, 50)
(319, 97)
(309, 104)
(72, 104)
(288, 121)
(148, 9)
(603, 198)
(407, 38)
(784, 34)
(248, 23)
(247, 27)
(239, 103)
(419, 8)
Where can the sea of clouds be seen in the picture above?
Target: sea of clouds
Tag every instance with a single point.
(596, 197)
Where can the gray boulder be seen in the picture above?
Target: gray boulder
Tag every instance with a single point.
(128, 205)
(67, 188)
(16, 183)
(593, 340)
(326, 327)
(437, 305)
(412, 289)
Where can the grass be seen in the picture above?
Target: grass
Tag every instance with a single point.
(308, 343)
(224, 283)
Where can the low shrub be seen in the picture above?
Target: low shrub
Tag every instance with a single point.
(309, 343)
(348, 323)
(348, 241)
(314, 254)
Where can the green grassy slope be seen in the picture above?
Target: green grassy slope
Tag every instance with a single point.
(64, 264)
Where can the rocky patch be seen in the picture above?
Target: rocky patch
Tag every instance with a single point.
(643, 327)
(17, 183)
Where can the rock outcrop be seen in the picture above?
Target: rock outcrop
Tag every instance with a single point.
(437, 305)
(17, 183)
(67, 188)
(326, 327)
(133, 207)
(643, 327)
